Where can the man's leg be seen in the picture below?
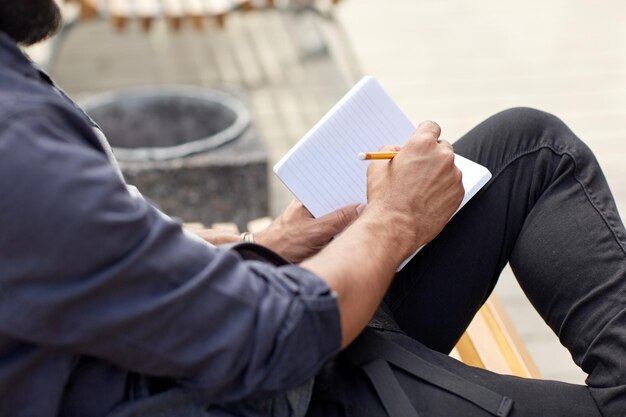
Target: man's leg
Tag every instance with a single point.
(548, 211)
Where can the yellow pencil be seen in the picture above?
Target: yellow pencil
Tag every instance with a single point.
(364, 156)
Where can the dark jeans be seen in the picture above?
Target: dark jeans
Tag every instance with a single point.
(549, 212)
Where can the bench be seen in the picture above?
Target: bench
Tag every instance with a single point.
(176, 12)
(490, 341)
(208, 17)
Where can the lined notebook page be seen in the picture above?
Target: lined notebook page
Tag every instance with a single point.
(322, 170)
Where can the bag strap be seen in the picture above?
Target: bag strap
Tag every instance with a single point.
(386, 385)
(370, 346)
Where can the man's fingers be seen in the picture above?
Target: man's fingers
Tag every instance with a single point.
(296, 208)
(341, 218)
(427, 130)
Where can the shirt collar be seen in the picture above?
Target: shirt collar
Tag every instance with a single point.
(13, 59)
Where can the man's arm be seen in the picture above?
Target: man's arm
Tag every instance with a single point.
(87, 269)
(410, 199)
(296, 235)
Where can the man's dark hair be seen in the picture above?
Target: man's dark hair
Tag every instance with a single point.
(29, 21)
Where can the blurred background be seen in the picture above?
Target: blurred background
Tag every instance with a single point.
(289, 61)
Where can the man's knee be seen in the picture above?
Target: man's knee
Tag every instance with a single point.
(535, 127)
(528, 120)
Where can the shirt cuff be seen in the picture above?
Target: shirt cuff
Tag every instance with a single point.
(311, 334)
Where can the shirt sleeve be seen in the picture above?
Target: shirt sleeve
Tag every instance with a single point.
(88, 268)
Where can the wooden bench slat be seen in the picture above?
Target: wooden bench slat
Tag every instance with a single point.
(491, 342)
(466, 352)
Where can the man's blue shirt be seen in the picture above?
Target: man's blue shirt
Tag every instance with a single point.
(97, 286)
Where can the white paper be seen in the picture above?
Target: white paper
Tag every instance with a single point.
(322, 170)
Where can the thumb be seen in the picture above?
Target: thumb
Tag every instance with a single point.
(341, 218)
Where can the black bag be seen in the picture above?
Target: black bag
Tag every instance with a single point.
(386, 373)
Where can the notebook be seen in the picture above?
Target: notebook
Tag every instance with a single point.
(322, 170)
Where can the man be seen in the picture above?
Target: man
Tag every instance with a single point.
(108, 308)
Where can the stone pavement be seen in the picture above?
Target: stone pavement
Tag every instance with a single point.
(453, 62)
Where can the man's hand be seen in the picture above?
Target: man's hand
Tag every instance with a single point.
(410, 199)
(418, 190)
(297, 235)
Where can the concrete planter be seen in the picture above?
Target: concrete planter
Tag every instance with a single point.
(193, 151)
